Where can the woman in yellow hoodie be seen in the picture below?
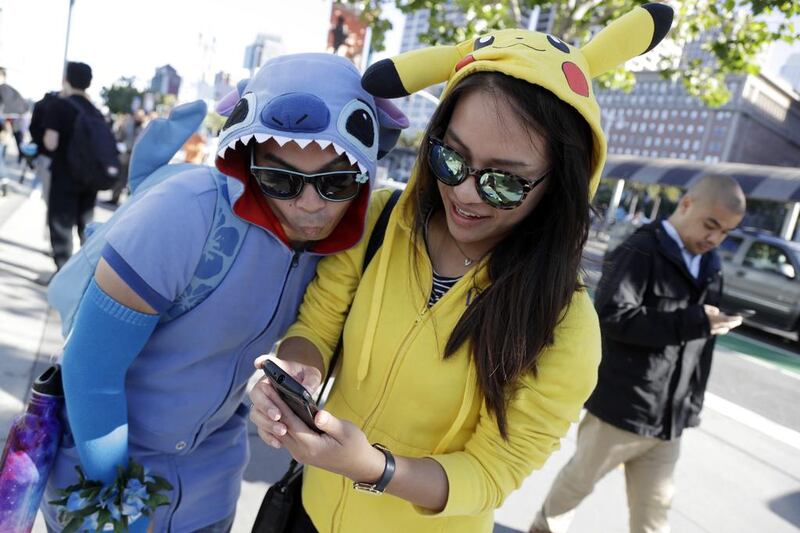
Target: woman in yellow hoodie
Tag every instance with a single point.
(471, 344)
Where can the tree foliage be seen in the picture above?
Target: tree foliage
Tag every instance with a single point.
(119, 97)
(732, 31)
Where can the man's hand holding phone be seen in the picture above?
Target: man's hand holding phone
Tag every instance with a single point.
(719, 322)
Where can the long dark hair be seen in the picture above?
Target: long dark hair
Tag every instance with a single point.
(534, 270)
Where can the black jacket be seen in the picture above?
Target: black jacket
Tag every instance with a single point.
(657, 345)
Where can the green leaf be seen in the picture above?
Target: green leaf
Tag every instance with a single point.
(157, 500)
(72, 526)
(161, 484)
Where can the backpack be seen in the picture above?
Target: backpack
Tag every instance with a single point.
(68, 286)
(92, 157)
(36, 127)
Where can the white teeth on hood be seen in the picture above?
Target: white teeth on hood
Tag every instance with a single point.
(350, 158)
(262, 137)
(362, 168)
(232, 144)
(302, 143)
(246, 138)
(221, 152)
(323, 144)
(338, 149)
(281, 140)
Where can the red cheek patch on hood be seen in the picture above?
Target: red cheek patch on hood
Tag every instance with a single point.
(575, 78)
(464, 62)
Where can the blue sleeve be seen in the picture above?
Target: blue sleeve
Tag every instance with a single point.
(105, 340)
(155, 245)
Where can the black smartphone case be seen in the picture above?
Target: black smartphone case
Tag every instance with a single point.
(293, 393)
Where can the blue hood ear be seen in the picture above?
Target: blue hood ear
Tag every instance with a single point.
(162, 139)
(228, 102)
(391, 120)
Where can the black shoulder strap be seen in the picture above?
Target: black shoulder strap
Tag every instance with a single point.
(379, 231)
(375, 242)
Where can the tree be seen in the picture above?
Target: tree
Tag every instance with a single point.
(732, 31)
(119, 97)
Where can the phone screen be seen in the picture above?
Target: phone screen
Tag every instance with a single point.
(293, 393)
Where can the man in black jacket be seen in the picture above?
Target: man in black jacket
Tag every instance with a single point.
(656, 301)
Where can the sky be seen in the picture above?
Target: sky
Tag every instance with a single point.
(126, 38)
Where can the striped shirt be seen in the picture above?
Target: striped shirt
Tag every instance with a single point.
(441, 284)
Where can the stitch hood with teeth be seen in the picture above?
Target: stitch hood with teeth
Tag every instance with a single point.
(306, 98)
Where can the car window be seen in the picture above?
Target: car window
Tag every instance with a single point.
(730, 246)
(769, 258)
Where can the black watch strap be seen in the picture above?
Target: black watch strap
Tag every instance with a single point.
(388, 472)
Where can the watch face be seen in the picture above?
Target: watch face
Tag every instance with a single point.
(366, 487)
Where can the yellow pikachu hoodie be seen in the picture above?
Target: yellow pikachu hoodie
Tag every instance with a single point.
(394, 381)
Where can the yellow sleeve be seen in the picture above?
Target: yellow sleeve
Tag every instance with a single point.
(490, 468)
(328, 297)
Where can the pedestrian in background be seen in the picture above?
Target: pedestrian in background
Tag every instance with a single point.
(69, 204)
(657, 302)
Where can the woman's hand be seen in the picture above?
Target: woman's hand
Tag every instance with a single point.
(342, 448)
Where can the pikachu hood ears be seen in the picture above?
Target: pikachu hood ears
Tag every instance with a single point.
(538, 58)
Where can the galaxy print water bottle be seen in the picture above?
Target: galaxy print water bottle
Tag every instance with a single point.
(29, 453)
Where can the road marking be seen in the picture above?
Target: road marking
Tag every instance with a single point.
(753, 420)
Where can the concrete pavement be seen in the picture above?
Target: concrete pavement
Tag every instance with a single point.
(732, 476)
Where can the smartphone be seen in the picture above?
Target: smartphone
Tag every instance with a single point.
(293, 393)
(744, 313)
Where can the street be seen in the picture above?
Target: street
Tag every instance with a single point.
(738, 472)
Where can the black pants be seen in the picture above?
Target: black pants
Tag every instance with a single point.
(67, 208)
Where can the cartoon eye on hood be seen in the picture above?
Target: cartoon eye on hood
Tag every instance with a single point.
(483, 41)
(243, 112)
(558, 43)
(357, 124)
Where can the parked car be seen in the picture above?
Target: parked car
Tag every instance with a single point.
(762, 272)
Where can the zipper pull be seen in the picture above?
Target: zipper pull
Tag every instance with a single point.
(295, 259)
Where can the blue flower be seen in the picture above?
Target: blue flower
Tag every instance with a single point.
(108, 497)
(75, 502)
(133, 497)
(90, 522)
(147, 477)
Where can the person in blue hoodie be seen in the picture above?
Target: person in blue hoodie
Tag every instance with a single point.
(299, 158)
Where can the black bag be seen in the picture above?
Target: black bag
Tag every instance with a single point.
(92, 157)
(282, 504)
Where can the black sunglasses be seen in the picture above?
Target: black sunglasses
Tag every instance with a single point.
(498, 188)
(283, 184)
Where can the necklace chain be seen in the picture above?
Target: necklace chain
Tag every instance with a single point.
(467, 259)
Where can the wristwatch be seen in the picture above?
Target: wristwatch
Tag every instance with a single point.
(388, 471)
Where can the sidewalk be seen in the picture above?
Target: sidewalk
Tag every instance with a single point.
(730, 479)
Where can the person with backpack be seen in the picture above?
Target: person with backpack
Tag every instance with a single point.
(201, 270)
(469, 343)
(78, 139)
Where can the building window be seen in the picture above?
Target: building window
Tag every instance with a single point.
(684, 113)
(670, 127)
(673, 113)
(686, 144)
(661, 128)
(648, 141)
(704, 114)
(690, 128)
(646, 113)
(680, 128)
(696, 145)
(657, 141)
(693, 114)
(667, 142)
(664, 114)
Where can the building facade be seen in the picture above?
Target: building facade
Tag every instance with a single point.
(759, 125)
(166, 81)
